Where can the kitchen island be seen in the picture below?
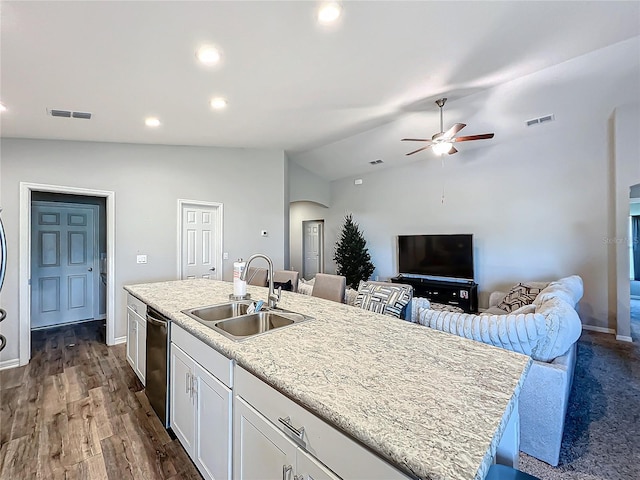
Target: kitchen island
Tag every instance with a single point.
(433, 404)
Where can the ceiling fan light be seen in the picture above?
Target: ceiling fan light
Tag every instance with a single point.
(442, 148)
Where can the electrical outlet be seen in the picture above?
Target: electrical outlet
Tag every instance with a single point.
(225, 256)
(141, 259)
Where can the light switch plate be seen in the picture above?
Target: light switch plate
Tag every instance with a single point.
(141, 259)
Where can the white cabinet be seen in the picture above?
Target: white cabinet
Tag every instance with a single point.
(137, 336)
(272, 433)
(263, 451)
(200, 404)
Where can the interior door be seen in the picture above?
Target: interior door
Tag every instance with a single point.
(312, 248)
(200, 238)
(62, 260)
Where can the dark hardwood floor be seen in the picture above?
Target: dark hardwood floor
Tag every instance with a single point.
(78, 411)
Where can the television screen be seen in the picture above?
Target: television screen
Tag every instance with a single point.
(436, 255)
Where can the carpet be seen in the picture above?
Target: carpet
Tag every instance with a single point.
(602, 428)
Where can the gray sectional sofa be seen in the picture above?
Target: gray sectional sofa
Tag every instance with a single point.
(547, 330)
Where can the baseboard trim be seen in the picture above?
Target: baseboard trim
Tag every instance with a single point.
(119, 340)
(593, 328)
(6, 364)
(624, 338)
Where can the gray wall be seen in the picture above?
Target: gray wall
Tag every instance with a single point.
(147, 181)
(307, 186)
(538, 200)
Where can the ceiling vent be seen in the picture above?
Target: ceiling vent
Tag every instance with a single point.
(539, 120)
(68, 114)
(376, 162)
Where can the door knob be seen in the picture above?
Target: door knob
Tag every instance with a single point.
(213, 269)
(91, 269)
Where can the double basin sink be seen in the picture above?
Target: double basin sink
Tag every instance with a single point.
(232, 320)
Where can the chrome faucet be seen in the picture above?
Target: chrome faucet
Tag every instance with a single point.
(274, 297)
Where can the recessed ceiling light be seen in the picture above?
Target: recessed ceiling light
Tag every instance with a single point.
(208, 55)
(329, 12)
(2, 107)
(152, 122)
(218, 103)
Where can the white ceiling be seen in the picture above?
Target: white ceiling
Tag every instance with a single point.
(290, 83)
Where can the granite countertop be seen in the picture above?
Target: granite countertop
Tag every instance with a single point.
(432, 403)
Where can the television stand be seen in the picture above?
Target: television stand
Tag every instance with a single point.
(459, 294)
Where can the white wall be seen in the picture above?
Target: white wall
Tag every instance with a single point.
(298, 213)
(536, 199)
(147, 181)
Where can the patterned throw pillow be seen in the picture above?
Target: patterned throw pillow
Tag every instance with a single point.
(520, 295)
(305, 287)
(386, 299)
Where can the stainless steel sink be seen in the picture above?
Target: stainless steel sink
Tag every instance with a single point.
(214, 313)
(231, 319)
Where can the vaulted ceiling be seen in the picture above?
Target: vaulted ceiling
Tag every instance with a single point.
(290, 83)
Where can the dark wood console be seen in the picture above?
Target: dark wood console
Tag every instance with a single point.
(459, 294)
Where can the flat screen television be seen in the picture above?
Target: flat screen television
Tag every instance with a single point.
(436, 255)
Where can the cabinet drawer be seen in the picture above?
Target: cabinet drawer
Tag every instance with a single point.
(343, 455)
(216, 363)
(137, 306)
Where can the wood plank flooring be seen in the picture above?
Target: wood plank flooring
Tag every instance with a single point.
(78, 411)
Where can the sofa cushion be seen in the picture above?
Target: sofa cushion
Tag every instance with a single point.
(563, 328)
(519, 295)
(570, 289)
(517, 332)
(388, 299)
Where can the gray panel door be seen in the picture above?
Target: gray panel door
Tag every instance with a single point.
(62, 259)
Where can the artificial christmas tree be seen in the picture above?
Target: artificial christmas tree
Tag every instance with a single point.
(352, 256)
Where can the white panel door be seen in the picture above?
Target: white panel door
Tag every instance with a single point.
(200, 242)
(212, 453)
(261, 451)
(312, 248)
(62, 259)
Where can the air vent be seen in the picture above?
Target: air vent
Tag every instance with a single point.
(539, 120)
(85, 115)
(60, 113)
(376, 162)
(68, 114)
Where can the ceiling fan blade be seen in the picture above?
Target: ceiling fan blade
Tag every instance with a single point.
(415, 140)
(419, 150)
(453, 150)
(453, 130)
(484, 136)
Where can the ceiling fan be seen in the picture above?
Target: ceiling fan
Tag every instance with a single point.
(442, 142)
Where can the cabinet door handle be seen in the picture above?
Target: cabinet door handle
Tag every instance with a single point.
(297, 432)
(286, 469)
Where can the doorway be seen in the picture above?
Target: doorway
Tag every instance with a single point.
(67, 246)
(312, 248)
(199, 239)
(68, 253)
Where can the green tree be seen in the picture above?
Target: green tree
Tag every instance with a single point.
(352, 256)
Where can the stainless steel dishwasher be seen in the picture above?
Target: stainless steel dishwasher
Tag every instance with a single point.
(157, 371)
